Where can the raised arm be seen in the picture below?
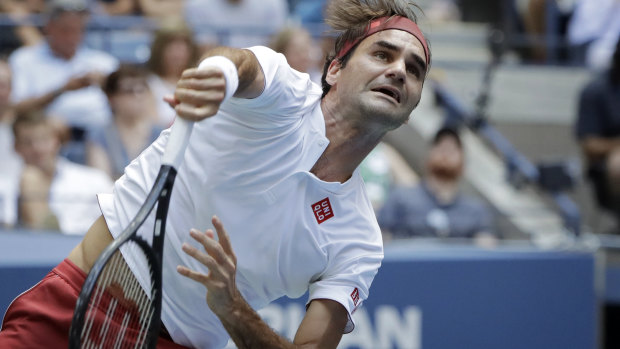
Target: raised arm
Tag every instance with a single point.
(322, 326)
(200, 91)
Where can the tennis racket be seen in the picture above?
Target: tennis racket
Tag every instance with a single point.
(114, 309)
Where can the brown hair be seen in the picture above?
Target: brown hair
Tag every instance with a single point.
(34, 117)
(110, 86)
(280, 41)
(350, 18)
(169, 31)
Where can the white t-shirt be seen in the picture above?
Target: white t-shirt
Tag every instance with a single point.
(37, 71)
(73, 195)
(291, 232)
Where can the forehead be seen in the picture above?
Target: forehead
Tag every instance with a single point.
(66, 19)
(446, 141)
(400, 38)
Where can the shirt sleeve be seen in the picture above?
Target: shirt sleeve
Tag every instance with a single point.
(348, 283)
(286, 93)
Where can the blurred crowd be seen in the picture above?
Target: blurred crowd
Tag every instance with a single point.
(72, 117)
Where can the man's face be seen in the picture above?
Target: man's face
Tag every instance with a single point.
(65, 33)
(130, 98)
(384, 77)
(37, 144)
(446, 159)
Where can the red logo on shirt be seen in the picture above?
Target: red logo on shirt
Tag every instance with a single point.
(322, 210)
(355, 296)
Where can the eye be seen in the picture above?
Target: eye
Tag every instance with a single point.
(381, 55)
(413, 69)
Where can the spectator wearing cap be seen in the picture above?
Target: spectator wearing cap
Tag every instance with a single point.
(59, 74)
(436, 207)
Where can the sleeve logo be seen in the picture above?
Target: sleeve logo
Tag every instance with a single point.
(322, 210)
(355, 296)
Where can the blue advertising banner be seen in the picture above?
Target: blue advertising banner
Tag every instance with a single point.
(426, 296)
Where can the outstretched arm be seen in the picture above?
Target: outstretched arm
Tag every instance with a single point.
(200, 92)
(322, 326)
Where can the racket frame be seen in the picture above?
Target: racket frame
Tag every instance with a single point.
(160, 194)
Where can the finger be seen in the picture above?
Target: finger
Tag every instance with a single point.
(193, 113)
(202, 73)
(208, 83)
(212, 247)
(172, 102)
(194, 275)
(200, 256)
(223, 238)
(199, 97)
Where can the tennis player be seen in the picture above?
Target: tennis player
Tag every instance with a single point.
(276, 164)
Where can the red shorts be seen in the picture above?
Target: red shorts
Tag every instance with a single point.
(41, 317)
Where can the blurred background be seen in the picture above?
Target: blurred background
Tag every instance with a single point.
(499, 201)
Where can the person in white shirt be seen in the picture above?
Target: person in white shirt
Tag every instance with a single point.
(10, 166)
(59, 74)
(54, 193)
(275, 157)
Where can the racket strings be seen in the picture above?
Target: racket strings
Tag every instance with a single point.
(119, 312)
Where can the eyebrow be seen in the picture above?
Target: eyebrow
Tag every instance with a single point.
(393, 47)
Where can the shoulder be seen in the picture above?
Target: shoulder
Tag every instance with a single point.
(26, 54)
(83, 174)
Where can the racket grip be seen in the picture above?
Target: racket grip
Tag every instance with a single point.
(177, 142)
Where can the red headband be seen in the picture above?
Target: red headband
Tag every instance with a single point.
(384, 23)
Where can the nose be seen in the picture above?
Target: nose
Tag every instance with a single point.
(397, 71)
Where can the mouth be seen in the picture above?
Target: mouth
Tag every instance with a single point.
(389, 91)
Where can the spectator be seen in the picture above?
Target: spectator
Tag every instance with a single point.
(383, 170)
(436, 207)
(595, 28)
(132, 128)
(236, 23)
(300, 50)
(535, 15)
(172, 51)
(60, 75)
(598, 131)
(54, 193)
(10, 165)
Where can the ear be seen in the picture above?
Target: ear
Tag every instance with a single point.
(333, 72)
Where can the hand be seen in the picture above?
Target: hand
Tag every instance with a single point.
(222, 292)
(77, 82)
(199, 93)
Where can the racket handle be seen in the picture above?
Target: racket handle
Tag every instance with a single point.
(177, 142)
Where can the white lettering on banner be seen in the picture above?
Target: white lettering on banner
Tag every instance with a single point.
(399, 328)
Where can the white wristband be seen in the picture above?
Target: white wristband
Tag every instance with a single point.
(228, 68)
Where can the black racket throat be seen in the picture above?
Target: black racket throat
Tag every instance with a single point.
(160, 194)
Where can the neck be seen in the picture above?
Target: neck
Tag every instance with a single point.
(349, 143)
(49, 169)
(129, 122)
(444, 190)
